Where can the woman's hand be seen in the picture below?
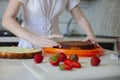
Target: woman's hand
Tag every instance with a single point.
(91, 39)
(48, 43)
(45, 41)
(52, 36)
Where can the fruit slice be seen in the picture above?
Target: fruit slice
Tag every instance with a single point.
(65, 67)
(68, 62)
(76, 64)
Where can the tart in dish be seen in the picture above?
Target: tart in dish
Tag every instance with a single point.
(82, 49)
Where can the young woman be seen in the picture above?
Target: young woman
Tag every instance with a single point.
(40, 21)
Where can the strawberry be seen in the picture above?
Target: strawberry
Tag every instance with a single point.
(54, 60)
(65, 67)
(61, 56)
(38, 58)
(74, 57)
(73, 64)
(68, 62)
(76, 64)
(95, 61)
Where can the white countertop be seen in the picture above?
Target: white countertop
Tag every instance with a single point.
(14, 70)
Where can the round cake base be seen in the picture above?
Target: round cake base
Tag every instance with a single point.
(82, 49)
(80, 45)
(18, 53)
(98, 51)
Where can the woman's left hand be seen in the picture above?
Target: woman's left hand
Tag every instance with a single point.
(91, 39)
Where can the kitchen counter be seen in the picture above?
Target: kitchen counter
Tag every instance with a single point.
(15, 70)
(99, 39)
(74, 38)
(9, 39)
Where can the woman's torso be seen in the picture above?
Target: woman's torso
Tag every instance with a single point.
(41, 16)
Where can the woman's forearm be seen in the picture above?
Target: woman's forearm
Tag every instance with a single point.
(12, 25)
(86, 26)
(82, 21)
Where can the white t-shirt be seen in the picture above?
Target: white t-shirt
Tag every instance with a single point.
(41, 16)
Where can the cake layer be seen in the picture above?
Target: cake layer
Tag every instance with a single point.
(77, 45)
(18, 53)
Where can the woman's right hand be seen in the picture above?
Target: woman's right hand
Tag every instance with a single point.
(46, 41)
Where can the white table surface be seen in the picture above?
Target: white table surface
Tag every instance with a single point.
(14, 70)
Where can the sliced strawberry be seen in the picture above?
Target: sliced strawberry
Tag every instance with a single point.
(76, 64)
(65, 67)
(54, 60)
(68, 62)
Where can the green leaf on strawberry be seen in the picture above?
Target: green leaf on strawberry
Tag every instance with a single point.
(74, 57)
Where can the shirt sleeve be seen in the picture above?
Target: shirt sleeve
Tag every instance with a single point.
(22, 1)
(71, 4)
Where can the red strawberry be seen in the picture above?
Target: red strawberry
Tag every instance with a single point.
(76, 64)
(68, 62)
(65, 67)
(54, 60)
(74, 57)
(95, 61)
(38, 58)
(61, 56)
